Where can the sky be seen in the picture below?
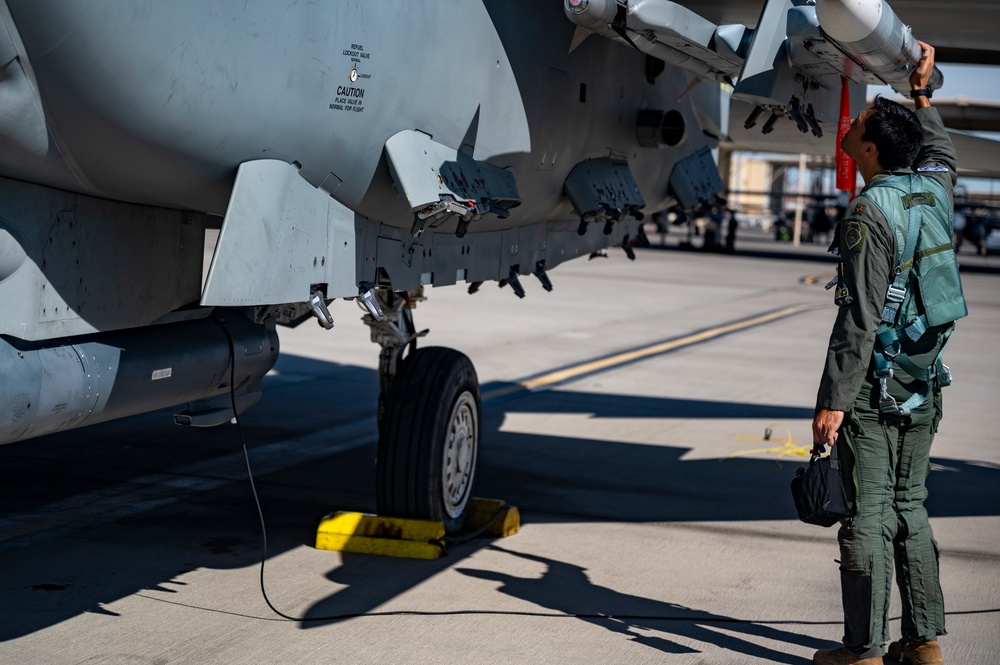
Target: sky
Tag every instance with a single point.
(972, 81)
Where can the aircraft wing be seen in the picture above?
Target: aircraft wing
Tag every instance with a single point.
(977, 156)
(787, 59)
(786, 97)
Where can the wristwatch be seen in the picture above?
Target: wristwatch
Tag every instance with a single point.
(921, 92)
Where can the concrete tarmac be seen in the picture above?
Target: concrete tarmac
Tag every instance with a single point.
(648, 443)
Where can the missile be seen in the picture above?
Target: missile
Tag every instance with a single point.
(871, 33)
(690, 34)
(591, 14)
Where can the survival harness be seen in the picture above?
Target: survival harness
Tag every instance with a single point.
(926, 290)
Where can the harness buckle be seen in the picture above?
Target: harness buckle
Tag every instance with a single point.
(895, 293)
(886, 402)
(944, 376)
(883, 372)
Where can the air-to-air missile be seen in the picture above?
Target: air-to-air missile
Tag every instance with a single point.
(871, 33)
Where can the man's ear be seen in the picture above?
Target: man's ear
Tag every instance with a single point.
(871, 153)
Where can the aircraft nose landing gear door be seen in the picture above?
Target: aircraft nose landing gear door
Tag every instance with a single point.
(429, 420)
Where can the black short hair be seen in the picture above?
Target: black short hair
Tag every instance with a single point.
(896, 132)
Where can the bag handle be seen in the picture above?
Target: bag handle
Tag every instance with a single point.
(817, 451)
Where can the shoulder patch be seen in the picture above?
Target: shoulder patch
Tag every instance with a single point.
(933, 168)
(854, 235)
(859, 209)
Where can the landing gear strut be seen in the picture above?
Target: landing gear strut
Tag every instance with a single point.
(429, 421)
(393, 330)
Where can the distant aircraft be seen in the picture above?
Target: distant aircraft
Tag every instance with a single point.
(364, 150)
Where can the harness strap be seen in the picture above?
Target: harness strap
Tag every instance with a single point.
(897, 290)
(917, 328)
(888, 403)
(936, 370)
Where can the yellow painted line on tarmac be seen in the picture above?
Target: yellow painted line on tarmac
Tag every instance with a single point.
(576, 371)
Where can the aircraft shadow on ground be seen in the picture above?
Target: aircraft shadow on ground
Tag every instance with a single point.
(586, 478)
(550, 478)
(563, 592)
(566, 589)
(637, 406)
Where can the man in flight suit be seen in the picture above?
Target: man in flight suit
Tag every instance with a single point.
(885, 455)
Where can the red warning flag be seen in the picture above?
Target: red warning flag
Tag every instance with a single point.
(845, 165)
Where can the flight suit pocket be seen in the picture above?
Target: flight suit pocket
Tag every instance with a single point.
(938, 412)
(847, 454)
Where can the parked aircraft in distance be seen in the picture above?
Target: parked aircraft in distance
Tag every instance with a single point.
(365, 150)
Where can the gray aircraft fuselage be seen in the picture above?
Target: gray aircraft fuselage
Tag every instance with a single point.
(321, 131)
(159, 102)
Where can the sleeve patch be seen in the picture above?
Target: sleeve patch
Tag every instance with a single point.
(842, 297)
(933, 168)
(854, 236)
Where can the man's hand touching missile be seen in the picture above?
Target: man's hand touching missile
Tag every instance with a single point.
(921, 75)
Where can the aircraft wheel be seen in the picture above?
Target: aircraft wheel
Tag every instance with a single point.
(429, 438)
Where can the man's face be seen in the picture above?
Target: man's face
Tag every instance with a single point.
(852, 143)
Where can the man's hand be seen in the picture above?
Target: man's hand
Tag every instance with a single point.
(921, 75)
(825, 426)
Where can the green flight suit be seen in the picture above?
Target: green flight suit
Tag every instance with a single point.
(884, 458)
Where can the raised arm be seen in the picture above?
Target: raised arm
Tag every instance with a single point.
(938, 150)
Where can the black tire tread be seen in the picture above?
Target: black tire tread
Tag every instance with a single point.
(409, 440)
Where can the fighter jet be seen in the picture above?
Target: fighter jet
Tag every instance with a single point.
(358, 150)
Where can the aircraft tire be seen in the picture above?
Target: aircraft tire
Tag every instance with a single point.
(429, 438)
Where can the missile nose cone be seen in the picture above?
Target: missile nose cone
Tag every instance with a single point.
(590, 13)
(849, 20)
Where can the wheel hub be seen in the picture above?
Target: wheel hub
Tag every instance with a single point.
(459, 459)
